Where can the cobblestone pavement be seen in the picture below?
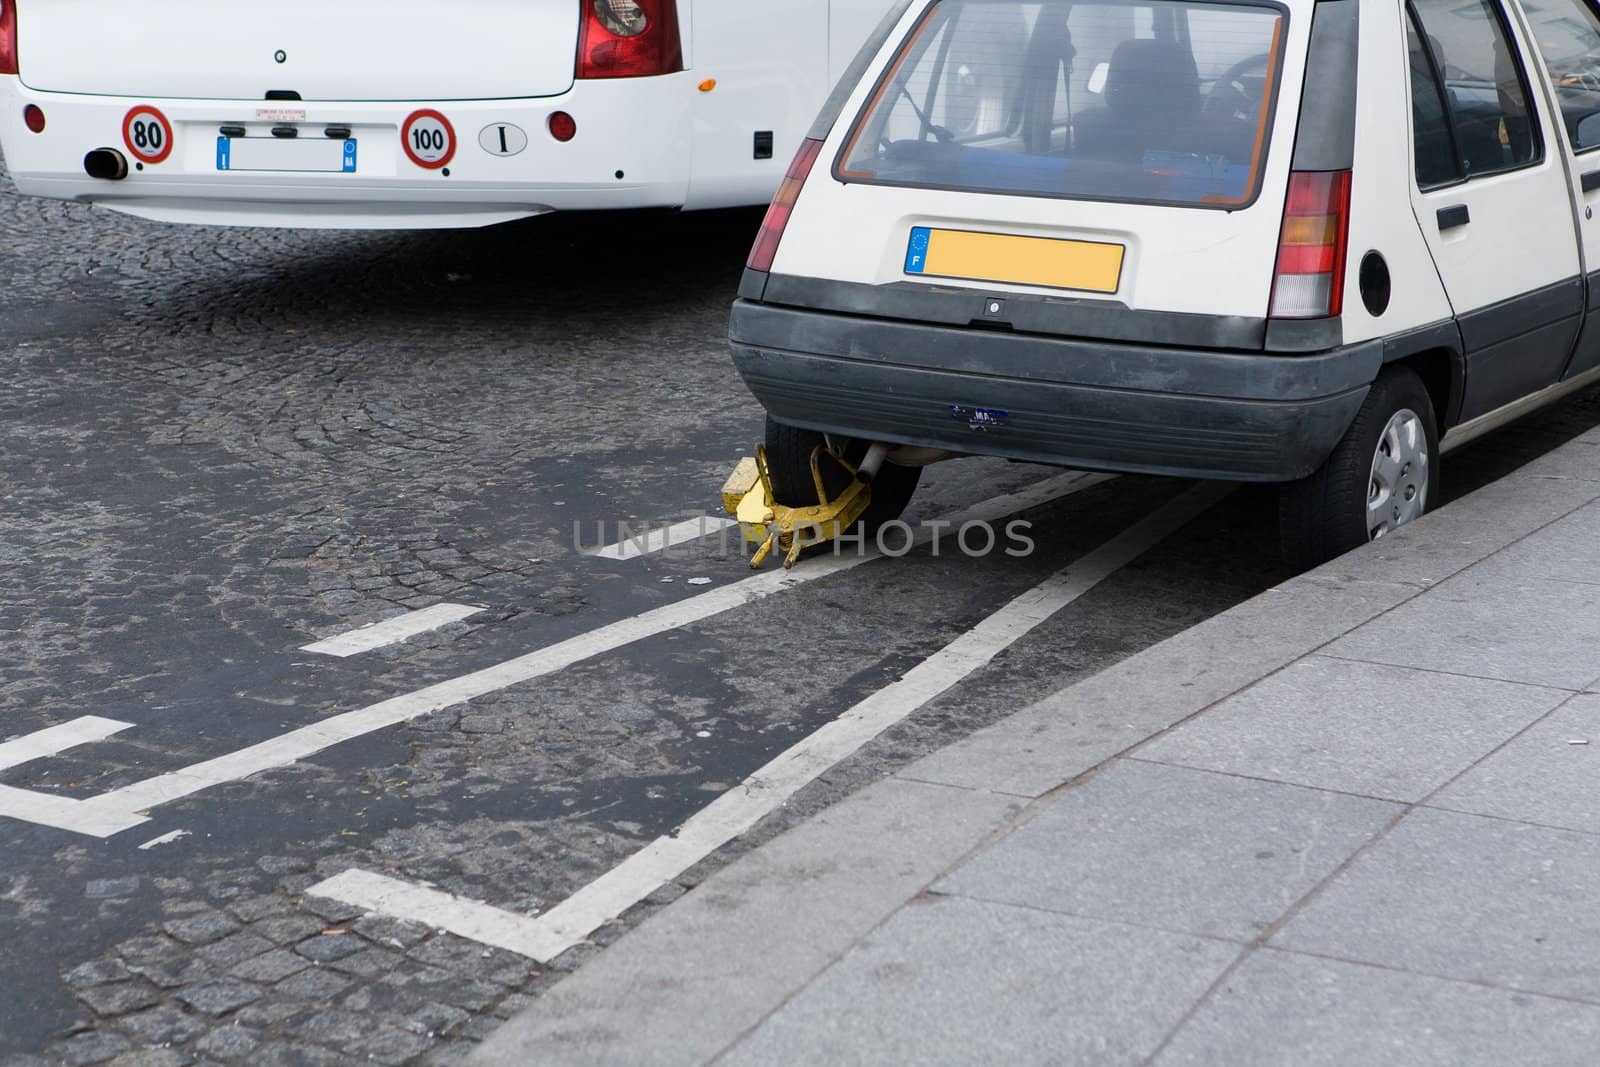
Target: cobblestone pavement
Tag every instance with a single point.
(219, 445)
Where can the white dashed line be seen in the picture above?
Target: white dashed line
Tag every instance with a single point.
(392, 631)
(121, 809)
(736, 811)
(443, 911)
(658, 539)
(57, 739)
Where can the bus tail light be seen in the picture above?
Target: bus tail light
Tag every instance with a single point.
(8, 36)
(627, 39)
(777, 220)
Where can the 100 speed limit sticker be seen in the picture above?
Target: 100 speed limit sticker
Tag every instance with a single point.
(147, 133)
(429, 139)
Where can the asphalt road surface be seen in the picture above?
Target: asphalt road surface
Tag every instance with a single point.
(218, 447)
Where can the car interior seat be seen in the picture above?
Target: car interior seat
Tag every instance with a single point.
(1152, 96)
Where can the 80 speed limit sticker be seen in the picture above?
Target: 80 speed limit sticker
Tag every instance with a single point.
(428, 139)
(148, 134)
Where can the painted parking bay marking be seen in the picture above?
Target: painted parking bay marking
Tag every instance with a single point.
(648, 540)
(392, 631)
(58, 739)
(122, 809)
(573, 920)
(471, 919)
(63, 813)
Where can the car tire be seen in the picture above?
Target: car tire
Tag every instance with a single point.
(789, 451)
(1382, 474)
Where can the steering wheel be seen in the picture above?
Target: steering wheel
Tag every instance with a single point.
(1229, 96)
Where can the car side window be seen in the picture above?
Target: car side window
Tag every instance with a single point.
(1463, 63)
(1568, 32)
(1438, 162)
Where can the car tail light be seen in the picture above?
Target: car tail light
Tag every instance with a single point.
(627, 38)
(777, 220)
(8, 37)
(1309, 280)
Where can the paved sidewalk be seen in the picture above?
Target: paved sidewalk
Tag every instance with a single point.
(1355, 820)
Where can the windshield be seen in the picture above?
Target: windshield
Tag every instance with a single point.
(1157, 101)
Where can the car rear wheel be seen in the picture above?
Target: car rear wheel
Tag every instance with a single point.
(1383, 474)
(789, 451)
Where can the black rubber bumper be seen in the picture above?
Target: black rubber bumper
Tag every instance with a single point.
(1248, 416)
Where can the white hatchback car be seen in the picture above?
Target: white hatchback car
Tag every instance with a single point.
(1303, 242)
(412, 113)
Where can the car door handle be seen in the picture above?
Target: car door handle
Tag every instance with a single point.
(1590, 180)
(1453, 216)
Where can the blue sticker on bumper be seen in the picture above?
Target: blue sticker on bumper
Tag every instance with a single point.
(981, 420)
(917, 250)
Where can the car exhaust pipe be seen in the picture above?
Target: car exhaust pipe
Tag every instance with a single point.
(872, 462)
(106, 164)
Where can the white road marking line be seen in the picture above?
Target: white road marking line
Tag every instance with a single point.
(164, 839)
(55, 740)
(574, 919)
(111, 813)
(443, 911)
(392, 631)
(65, 813)
(659, 539)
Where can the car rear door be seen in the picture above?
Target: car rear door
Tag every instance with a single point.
(1492, 199)
(1567, 33)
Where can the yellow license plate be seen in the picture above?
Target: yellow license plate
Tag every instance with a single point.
(1051, 262)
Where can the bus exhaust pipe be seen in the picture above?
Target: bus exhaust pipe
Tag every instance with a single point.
(106, 164)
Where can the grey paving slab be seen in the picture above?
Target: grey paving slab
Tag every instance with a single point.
(1078, 728)
(1176, 848)
(683, 986)
(1282, 1008)
(1517, 617)
(1577, 461)
(1550, 775)
(1566, 550)
(1461, 896)
(954, 981)
(1367, 728)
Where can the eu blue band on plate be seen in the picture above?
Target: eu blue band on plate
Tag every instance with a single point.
(917, 249)
(287, 155)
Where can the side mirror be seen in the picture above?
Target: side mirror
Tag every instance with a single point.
(1097, 77)
(1589, 131)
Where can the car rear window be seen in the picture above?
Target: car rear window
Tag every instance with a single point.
(1149, 101)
